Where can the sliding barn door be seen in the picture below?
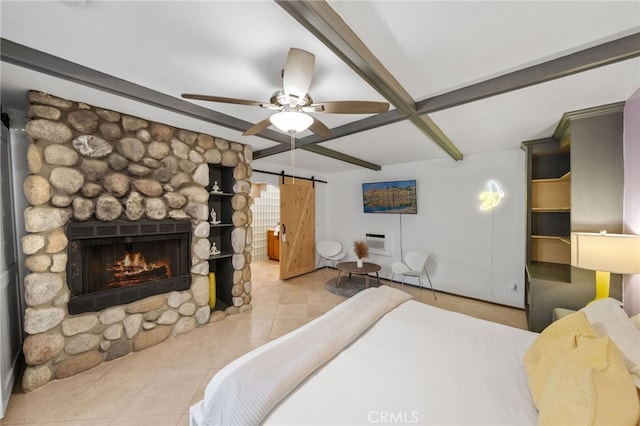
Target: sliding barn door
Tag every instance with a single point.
(297, 228)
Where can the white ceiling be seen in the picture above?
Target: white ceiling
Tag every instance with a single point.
(237, 49)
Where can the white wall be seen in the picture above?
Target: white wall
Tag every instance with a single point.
(473, 253)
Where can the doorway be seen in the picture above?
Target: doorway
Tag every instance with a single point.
(266, 216)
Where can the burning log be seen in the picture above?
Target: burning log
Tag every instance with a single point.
(134, 270)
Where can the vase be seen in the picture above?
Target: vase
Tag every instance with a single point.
(359, 263)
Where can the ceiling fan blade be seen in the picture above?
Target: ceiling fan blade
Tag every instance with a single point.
(319, 128)
(350, 107)
(226, 100)
(297, 73)
(258, 127)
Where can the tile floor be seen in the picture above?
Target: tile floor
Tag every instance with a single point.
(158, 385)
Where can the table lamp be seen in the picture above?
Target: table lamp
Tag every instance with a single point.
(605, 253)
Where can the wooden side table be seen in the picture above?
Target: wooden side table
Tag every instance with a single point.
(352, 268)
(273, 245)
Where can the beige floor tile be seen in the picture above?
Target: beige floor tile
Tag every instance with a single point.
(105, 398)
(235, 348)
(299, 310)
(272, 298)
(296, 298)
(195, 355)
(184, 420)
(199, 395)
(39, 405)
(167, 393)
(150, 420)
(251, 328)
(263, 311)
(89, 422)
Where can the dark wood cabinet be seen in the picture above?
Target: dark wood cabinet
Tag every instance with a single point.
(273, 245)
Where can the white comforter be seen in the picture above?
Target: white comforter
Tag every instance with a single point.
(417, 365)
(420, 365)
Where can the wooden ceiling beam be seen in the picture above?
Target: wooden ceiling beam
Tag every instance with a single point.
(624, 48)
(26, 57)
(607, 53)
(324, 23)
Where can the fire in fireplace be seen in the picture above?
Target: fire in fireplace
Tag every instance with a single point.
(134, 269)
(119, 262)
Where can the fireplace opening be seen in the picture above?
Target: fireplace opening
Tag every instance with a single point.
(119, 262)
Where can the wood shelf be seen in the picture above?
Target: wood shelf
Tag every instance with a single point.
(562, 238)
(547, 209)
(550, 249)
(222, 255)
(564, 178)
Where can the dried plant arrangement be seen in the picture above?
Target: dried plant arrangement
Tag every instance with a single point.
(361, 249)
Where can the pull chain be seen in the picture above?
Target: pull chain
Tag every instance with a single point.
(292, 133)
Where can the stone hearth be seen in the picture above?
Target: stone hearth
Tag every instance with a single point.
(91, 164)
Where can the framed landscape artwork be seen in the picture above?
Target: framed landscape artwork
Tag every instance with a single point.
(390, 197)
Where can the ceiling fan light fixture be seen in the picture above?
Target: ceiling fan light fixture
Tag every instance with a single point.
(291, 121)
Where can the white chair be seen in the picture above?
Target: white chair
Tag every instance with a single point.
(415, 261)
(329, 251)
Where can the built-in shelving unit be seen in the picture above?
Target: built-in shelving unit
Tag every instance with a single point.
(574, 181)
(220, 195)
(548, 226)
(550, 209)
(551, 220)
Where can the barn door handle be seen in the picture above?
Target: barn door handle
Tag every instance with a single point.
(284, 233)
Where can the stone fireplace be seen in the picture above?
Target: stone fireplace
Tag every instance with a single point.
(117, 239)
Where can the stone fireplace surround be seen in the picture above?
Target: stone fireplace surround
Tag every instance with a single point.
(87, 163)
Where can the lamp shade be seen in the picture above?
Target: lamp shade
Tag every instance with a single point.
(617, 253)
(291, 121)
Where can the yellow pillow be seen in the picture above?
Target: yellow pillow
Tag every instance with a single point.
(590, 386)
(554, 342)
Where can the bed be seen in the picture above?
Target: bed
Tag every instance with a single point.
(382, 358)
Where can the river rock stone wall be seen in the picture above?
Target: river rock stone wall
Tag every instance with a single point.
(88, 163)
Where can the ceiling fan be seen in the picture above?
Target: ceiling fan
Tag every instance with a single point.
(293, 101)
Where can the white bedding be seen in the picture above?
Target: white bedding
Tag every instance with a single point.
(417, 365)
